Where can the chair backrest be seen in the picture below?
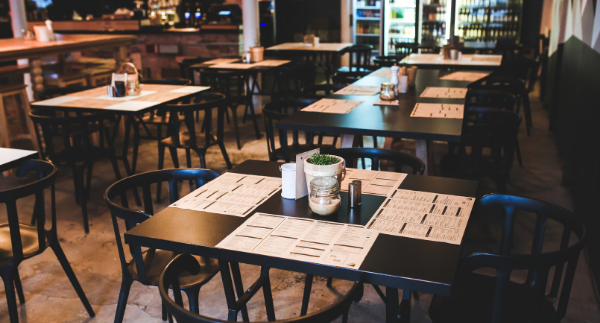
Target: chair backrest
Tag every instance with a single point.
(204, 101)
(514, 86)
(525, 69)
(75, 130)
(540, 261)
(231, 83)
(327, 89)
(385, 61)
(275, 111)
(186, 263)
(185, 71)
(494, 129)
(360, 57)
(489, 97)
(45, 174)
(400, 159)
(403, 49)
(167, 81)
(135, 217)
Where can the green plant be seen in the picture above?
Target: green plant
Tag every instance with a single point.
(320, 159)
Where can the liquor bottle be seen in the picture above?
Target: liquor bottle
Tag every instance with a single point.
(188, 16)
(197, 15)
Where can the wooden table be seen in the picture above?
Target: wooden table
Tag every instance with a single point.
(132, 107)
(386, 121)
(322, 55)
(11, 158)
(467, 62)
(17, 48)
(394, 262)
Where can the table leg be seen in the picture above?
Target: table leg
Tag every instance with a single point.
(125, 153)
(37, 77)
(424, 152)
(391, 305)
(229, 292)
(405, 307)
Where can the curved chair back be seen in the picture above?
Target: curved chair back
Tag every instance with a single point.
(512, 85)
(204, 101)
(185, 71)
(135, 217)
(360, 58)
(75, 132)
(327, 89)
(539, 262)
(167, 81)
(400, 159)
(186, 263)
(46, 175)
(231, 83)
(525, 69)
(275, 111)
(487, 96)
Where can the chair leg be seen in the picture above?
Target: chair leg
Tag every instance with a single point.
(192, 294)
(88, 181)
(79, 184)
(164, 311)
(11, 298)
(306, 296)
(202, 158)
(161, 162)
(136, 145)
(329, 281)
(69, 271)
(267, 294)
(19, 287)
(518, 152)
(123, 295)
(254, 121)
(225, 156)
(239, 287)
(174, 156)
(236, 128)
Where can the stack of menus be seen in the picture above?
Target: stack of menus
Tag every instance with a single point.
(423, 215)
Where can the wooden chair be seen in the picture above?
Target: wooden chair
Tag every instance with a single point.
(359, 64)
(64, 80)
(481, 298)
(18, 93)
(78, 151)
(186, 264)
(98, 76)
(21, 241)
(185, 70)
(146, 266)
(484, 129)
(275, 111)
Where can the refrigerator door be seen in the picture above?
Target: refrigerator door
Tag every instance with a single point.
(435, 22)
(400, 17)
(366, 23)
(488, 23)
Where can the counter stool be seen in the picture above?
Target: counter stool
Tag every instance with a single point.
(17, 93)
(64, 80)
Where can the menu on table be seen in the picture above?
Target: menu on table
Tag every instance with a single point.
(231, 194)
(464, 76)
(233, 65)
(382, 73)
(333, 106)
(423, 215)
(387, 102)
(271, 62)
(322, 242)
(221, 61)
(438, 110)
(444, 92)
(373, 182)
(358, 90)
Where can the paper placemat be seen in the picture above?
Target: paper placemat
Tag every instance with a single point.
(373, 182)
(436, 110)
(271, 62)
(233, 65)
(333, 106)
(464, 76)
(444, 92)
(358, 90)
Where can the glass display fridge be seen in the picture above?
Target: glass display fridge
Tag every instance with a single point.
(399, 24)
(486, 23)
(366, 23)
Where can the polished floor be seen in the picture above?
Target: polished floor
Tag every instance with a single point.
(50, 297)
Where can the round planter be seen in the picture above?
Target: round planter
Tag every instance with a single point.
(256, 54)
(311, 171)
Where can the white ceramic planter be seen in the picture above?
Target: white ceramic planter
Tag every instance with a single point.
(311, 171)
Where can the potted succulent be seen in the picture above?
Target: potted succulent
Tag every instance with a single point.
(322, 165)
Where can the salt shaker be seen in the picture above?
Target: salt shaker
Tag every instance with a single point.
(394, 75)
(354, 193)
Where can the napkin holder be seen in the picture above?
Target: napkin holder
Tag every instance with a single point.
(301, 187)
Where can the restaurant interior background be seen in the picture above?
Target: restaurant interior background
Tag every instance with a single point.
(169, 30)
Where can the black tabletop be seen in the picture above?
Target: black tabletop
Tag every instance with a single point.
(385, 121)
(259, 68)
(393, 261)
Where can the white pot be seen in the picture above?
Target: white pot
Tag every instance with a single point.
(311, 171)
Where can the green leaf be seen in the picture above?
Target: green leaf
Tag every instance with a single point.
(320, 159)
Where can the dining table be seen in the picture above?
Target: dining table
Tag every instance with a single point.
(130, 107)
(390, 121)
(473, 62)
(395, 262)
(12, 157)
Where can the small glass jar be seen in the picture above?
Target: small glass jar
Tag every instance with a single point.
(325, 198)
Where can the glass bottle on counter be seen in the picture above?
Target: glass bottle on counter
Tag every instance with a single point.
(197, 15)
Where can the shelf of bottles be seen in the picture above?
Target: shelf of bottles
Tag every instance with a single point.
(488, 22)
(434, 21)
(399, 24)
(367, 19)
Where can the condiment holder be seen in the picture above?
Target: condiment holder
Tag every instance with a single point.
(325, 198)
(387, 92)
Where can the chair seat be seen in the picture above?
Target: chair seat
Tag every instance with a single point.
(296, 149)
(29, 240)
(346, 69)
(472, 301)
(156, 261)
(185, 142)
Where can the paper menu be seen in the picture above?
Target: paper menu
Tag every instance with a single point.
(423, 215)
(464, 76)
(271, 62)
(438, 110)
(331, 243)
(333, 106)
(358, 90)
(231, 194)
(233, 65)
(373, 182)
(444, 92)
(221, 61)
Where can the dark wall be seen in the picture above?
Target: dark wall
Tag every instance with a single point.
(295, 17)
(578, 133)
(532, 19)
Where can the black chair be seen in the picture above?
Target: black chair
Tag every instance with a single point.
(484, 129)
(400, 159)
(186, 264)
(359, 64)
(481, 298)
(276, 111)
(313, 91)
(167, 81)
(188, 140)
(514, 86)
(146, 267)
(525, 69)
(185, 70)
(79, 152)
(291, 78)
(488, 97)
(22, 241)
(234, 84)
(401, 50)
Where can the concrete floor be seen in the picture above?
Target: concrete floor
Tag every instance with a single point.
(50, 297)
